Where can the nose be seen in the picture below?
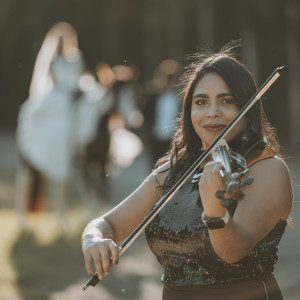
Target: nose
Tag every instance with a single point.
(213, 110)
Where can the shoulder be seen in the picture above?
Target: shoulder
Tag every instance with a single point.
(151, 188)
(272, 179)
(274, 166)
(273, 171)
(156, 178)
(160, 174)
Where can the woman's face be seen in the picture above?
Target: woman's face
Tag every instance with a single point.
(213, 107)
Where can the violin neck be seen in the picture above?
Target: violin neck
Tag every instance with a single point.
(221, 155)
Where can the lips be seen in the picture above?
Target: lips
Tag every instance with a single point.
(214, 127)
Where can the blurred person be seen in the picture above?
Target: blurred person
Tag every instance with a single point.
(163, 107)
(113, 145)
(125, 116)
(56, 122)
(128, 98)
(208, 251)
(96, 158)
(93, 139)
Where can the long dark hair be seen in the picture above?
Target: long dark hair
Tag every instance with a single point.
(186, 144)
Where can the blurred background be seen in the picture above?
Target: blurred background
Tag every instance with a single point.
(71, 149)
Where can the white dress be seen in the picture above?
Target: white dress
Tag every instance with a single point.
(52, 126)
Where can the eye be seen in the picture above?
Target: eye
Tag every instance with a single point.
(200, 101)
(228, 101)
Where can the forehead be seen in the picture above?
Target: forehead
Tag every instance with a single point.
(211, 82)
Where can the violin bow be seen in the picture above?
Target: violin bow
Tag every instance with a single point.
(124, 245)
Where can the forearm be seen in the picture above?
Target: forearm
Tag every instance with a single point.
(232, 242)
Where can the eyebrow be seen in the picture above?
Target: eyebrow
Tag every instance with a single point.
(219, 95)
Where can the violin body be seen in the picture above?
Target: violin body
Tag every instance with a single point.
(234, 168)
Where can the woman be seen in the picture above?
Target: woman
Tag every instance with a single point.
(233, 258)
(45, 122)
(55, 123)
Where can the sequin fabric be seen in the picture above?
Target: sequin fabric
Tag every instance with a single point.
(180, 241)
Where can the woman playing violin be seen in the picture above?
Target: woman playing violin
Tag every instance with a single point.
(207, 250)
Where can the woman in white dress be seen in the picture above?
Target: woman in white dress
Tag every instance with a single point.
(49, 137)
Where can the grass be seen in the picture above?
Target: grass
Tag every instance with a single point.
(38, 260)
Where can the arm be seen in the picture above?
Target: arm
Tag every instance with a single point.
(267, 200)
(101, 235)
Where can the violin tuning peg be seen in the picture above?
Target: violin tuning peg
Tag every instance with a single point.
(225, 202)
(220, 194)
(248, 180)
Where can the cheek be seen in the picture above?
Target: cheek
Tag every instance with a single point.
(231, 113)
(240, 126)
(193, 122)
(195, 118)
(196, 113)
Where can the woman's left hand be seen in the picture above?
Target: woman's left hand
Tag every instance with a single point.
(266, 201)
(209, 183)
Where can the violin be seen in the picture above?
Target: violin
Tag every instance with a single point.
(220, 152)
(234, 168)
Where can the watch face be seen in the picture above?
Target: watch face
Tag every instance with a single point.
(215, 223)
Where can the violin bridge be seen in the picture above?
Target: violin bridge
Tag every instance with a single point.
(222, 143)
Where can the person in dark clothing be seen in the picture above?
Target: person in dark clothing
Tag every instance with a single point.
(208, 251)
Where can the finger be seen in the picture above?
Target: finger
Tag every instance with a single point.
(88, 264)
(217, 168)
(98, 263)
(211, 165)
(99, 269)
(105, 259)
(211, 168)
(218, 175)
(114, 254)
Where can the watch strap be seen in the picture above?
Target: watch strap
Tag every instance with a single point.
(215, 223)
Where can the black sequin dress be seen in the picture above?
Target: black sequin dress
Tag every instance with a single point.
(181, 244)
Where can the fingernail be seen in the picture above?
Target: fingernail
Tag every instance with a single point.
(106, 273)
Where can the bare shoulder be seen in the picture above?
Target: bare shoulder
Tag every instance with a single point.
(274, 166)
(160, 174)
(272, 179)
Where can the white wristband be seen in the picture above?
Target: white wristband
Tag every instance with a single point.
(90, 240)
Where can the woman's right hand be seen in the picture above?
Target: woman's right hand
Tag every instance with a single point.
(101, 235)
(103, 252)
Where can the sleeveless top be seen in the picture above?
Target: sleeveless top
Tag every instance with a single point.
(180, 241)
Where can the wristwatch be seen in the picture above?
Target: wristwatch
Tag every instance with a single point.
(215, 223)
